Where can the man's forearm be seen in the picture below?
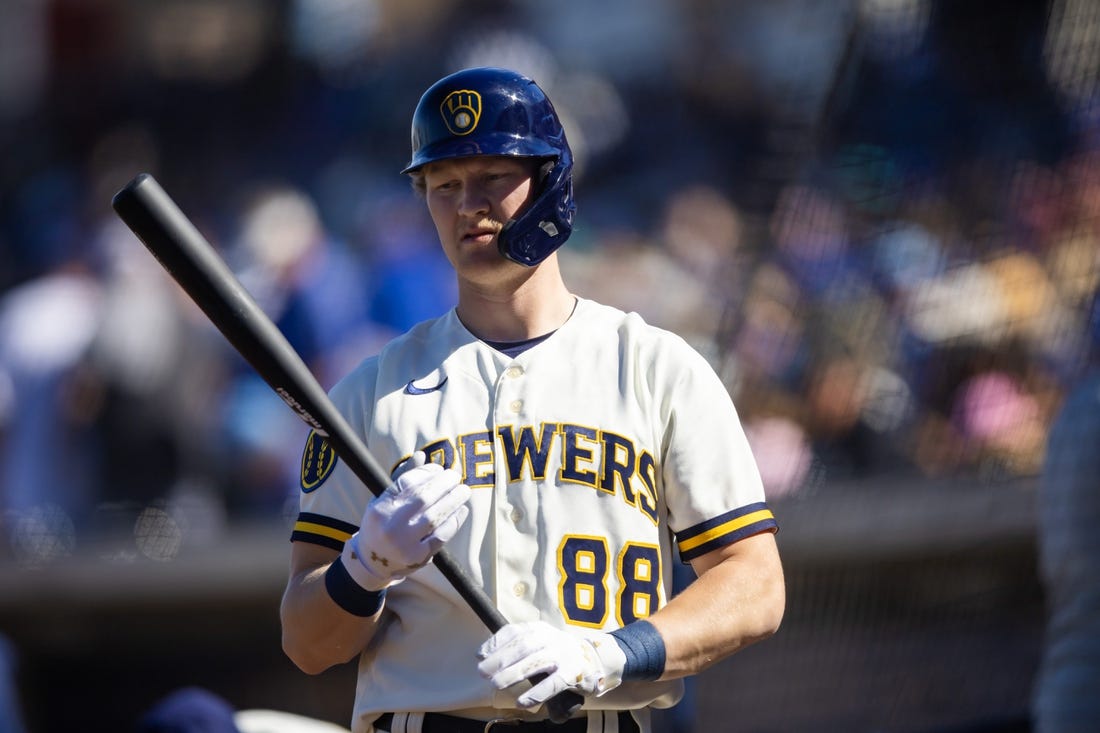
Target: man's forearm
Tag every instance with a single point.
(737, 600)
(317, 632)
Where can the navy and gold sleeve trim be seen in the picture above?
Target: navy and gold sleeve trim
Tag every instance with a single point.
(322, 530)
(725, 529)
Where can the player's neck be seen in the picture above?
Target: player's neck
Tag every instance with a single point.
(538, 305)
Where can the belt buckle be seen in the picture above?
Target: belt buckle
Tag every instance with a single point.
(489, 724)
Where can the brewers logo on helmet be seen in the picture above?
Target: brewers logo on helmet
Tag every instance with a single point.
(461, 111)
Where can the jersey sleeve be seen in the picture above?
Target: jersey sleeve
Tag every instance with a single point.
(712, 484)
(332, 498)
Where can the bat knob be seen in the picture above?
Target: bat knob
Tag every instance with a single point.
(563, 706)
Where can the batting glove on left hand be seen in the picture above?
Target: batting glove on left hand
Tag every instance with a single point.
(407, 524)
(589, 662)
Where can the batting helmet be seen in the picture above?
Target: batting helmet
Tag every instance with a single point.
(490, 111)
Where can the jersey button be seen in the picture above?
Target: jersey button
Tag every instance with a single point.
(514, 371)
(515, 405)
(516, 515)
(519, 589)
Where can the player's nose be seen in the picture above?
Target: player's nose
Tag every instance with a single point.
(473, 200)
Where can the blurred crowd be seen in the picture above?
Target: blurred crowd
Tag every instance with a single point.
(878, 218)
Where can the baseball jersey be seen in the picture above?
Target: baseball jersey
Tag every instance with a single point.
(595, 458)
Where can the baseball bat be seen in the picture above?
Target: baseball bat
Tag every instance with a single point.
(192, 262)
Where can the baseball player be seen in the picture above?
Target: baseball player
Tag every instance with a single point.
(565, 452)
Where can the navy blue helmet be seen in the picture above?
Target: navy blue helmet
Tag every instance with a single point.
(490, 111)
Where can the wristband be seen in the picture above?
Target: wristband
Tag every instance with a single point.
(349, 595)
(644, 649)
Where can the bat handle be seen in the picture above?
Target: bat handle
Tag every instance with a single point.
(562, 706)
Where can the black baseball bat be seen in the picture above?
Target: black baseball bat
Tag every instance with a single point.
(192, 262)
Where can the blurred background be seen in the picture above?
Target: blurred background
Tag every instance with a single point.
(877, 218)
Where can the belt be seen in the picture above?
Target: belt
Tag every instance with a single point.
(443, 723)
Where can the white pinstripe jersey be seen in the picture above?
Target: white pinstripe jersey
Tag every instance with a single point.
(595, 458)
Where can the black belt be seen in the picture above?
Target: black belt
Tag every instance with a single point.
(443, 723)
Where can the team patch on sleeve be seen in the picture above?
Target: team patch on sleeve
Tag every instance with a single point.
(321, 530)
(318, 460)
(725, 529)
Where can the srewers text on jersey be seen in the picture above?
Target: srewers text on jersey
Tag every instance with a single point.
(603, 460)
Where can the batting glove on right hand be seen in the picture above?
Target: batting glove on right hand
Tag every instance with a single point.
(406, 524)
(589, 662)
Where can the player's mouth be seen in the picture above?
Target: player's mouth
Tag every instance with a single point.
(479, 234)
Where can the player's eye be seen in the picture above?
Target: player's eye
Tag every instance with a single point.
(503, 177)
(446, 186)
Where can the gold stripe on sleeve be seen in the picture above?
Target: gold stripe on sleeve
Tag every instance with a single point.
(320, 529)
(726, 528)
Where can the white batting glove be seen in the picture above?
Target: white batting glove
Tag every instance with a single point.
(589, 662)
(408, 523)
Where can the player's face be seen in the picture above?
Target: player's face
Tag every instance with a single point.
(470, 200)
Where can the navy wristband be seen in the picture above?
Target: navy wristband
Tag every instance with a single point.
(349, 595)
(644, 649)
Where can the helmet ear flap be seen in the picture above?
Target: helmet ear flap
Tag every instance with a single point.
(544, 172)
(544, 226)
